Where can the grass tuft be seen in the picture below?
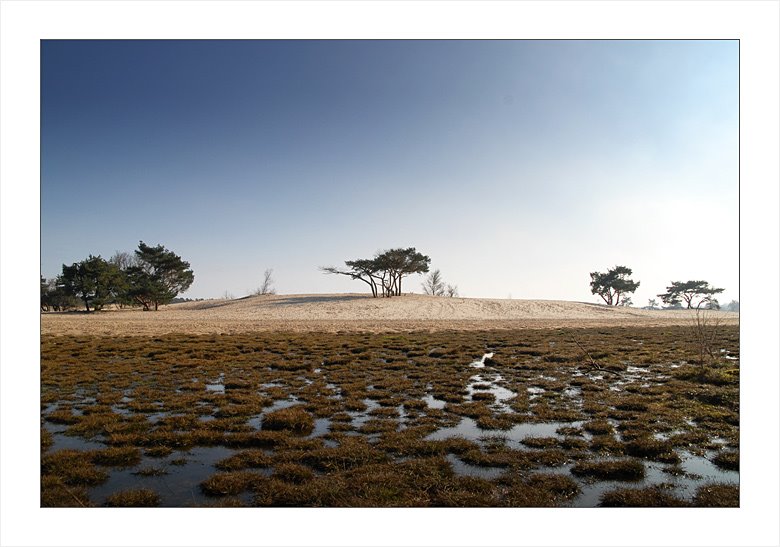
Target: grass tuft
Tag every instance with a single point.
(614, 470)
(134, 498)
(293, 418)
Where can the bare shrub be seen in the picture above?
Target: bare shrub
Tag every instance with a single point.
(433, 284)
(266, 287)
(705, 329)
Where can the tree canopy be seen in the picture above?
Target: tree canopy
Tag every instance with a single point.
(613, 286)
(54, 297)
(93, 280)
(158, 276)
(385, 272)
(688, 291)
(153, 276)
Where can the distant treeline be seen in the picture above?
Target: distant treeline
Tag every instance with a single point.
(154, 275)
(149, 277)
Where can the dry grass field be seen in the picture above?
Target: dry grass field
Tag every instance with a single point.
(359, 313)
(313, 401)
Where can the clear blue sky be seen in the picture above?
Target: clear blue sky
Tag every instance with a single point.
(518, 166)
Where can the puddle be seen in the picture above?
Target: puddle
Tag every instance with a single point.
(467, 470)
(256, 421)
(321, 427)
(500, 393)
(698, 471)
(702, 466)
(292, 400)
(546, 378)
(361, 417)
(50, 408)
(481, 362)
(336, 391)
(157, 416)
(433, 402)
(60, 441)
(179, 488)
(467, 429)
(218, 385)
(122, 411)
(402, 417)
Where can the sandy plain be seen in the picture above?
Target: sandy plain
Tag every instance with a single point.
(360, 313)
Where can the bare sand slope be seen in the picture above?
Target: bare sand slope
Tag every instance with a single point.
(359, 312)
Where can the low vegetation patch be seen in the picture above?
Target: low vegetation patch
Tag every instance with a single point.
(231, 483)
(727, 460)
(294, 419)
(640, 497)
(134, 498)
(717, 495)
(614, 470)
(125, 456)
(197, 408)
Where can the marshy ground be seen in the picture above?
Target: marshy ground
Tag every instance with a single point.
(619, 416)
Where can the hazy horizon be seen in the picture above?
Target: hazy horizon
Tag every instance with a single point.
(517, 166)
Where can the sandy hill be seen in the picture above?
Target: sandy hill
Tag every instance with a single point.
(334, 312)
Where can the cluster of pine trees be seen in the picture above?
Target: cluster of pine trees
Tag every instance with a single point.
(148, 278)
(615, 286)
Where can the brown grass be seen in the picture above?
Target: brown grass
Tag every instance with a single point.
(134, 498)
(640, 497)
(148, 395)
(294, 419)
(615, 470)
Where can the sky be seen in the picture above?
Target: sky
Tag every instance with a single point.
(519, 167)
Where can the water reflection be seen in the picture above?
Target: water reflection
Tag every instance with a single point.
(468, 429)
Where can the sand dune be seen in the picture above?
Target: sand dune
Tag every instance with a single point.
(359, 312)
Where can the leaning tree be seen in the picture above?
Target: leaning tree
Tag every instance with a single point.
(614, 286)
(362, 269)
(385, 272)
(688, 291)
